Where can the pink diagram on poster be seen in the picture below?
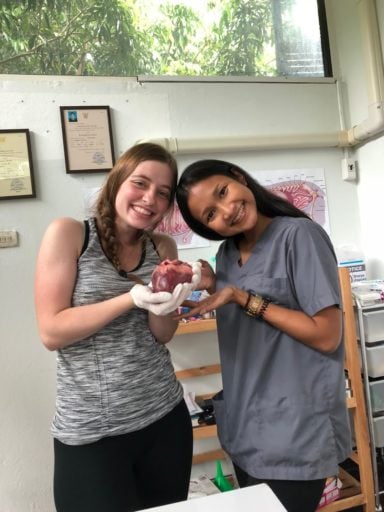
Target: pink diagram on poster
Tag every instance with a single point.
(303, 188)
(306, 196)
(174, 225)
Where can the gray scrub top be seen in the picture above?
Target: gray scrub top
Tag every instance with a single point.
(282, 414)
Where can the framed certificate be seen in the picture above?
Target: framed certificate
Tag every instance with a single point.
(16, 169)
(87, 137)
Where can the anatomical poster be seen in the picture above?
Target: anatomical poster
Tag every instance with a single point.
(304, 188)
(175, 226)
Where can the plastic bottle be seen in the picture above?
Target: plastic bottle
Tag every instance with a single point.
(220, 480)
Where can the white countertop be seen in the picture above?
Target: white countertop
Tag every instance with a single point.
(256, 498)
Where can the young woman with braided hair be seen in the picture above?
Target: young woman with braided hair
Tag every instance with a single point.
(122, 432)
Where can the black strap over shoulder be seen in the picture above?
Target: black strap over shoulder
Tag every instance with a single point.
(86, 236)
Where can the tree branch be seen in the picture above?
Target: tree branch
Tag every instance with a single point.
(64, 34)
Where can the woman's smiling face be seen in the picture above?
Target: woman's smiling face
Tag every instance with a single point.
(144, 197)
(223, 204)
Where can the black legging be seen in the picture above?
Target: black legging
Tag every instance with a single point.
(128, 472)
(295, 495)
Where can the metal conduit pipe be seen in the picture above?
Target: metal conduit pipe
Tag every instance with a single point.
(364, 131)
(230, 144)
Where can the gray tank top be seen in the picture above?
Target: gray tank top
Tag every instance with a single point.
(120, 379)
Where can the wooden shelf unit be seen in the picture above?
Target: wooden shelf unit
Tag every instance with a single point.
(202, 431)
(209, 456)
(194, 326)
(354, 492)
(199, 371)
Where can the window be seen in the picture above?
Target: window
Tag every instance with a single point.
(170, 38)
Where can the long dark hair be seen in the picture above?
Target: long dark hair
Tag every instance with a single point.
(268, 203)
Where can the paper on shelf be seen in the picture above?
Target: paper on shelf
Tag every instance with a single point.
(201, 486)
(193, 407)
(369, 293)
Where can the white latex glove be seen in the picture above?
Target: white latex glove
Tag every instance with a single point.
(160, 303)
(196, 274)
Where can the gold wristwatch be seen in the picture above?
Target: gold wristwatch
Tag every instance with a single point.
(256, 305)
(253, 305)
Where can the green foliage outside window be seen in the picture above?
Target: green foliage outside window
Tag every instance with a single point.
(148, 37)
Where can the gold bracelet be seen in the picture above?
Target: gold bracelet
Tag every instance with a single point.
(253, 305)
(256, 305)
(248, 299)
(263, 309)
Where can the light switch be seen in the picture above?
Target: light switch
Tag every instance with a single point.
(8, 238)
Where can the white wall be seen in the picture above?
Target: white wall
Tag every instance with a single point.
(370, 189)
(139, 111)
(344, 26)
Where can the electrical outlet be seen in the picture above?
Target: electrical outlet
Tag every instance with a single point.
(8, 238)
(348, 169)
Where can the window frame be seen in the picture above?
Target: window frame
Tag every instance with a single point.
(326, 57)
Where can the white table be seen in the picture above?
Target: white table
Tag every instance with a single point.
(256, 498)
